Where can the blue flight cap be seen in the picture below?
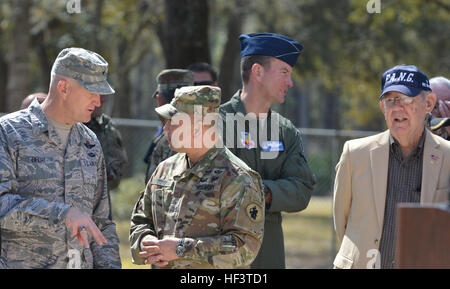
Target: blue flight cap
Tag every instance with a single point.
(271, 44)
(406, 79)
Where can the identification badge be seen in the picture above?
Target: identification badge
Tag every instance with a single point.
(272, 146)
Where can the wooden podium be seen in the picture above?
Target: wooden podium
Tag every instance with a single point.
(423, 236)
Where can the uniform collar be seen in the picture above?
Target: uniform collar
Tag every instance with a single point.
(40, 124)
(201, 166)
(238, 105)
(39, 121)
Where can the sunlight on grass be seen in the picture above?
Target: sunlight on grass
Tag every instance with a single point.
(308, 236)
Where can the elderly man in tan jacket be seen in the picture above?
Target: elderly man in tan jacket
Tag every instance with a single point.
(406, 163)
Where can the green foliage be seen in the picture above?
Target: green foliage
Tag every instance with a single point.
(346, 48)
(125, 197)
(322, 167)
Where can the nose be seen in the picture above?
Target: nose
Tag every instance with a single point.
(290, 83)
(97, 101)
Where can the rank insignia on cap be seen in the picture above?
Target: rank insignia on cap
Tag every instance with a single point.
(254, 212)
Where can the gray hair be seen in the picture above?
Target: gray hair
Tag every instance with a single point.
(440, 80)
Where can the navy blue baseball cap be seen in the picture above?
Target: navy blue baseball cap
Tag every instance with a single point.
(271, 44)
(406, 79)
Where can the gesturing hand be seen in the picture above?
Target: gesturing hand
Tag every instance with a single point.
(79, 224)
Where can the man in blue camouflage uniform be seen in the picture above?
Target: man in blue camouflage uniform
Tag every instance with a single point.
(54, 209)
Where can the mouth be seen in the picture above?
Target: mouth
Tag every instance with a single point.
(400, 120)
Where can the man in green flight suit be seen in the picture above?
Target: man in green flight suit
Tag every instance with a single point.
(267, 61)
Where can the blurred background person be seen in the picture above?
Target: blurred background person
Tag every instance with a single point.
(204, 74)
(168, 80)
(29, 99)
(112, 144)
(439, 120)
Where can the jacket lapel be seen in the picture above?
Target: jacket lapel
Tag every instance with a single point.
(432, 163)
(379, 159)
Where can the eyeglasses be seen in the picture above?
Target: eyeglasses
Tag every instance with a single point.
(403, 100)
(206, 82)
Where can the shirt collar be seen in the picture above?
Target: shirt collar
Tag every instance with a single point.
(204, 163)
(395, 144)
(238, 105)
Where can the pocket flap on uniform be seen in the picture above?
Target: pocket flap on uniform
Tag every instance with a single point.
(342, 262)
(161, 182)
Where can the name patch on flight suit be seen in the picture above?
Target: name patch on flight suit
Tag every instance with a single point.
(272, 146)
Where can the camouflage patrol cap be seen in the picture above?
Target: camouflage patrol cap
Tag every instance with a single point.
(190, 98)
(87, 67)
(169, 79)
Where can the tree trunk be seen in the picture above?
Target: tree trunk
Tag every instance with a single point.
(97, 23)
(18, 74)
(229, 65)
(122, 107)
(185, 33)
(3, 81)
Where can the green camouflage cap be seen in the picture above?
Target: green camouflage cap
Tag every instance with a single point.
(188, 98)
(86, 67)
(173, 78)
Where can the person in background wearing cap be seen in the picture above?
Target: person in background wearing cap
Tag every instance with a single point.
(406, 163)
(168, 80)
(267, 61)
(54, 209)
(111, 141)
(439, 119)
(203, 207)
(204, 74)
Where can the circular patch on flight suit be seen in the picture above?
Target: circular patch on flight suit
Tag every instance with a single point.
(254, 212)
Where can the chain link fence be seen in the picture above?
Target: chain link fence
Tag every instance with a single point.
(309, 235)
(310, 240)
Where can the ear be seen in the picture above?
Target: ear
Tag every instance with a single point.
(257, 71)
(381, 106)
(63, 88)
(430, 102)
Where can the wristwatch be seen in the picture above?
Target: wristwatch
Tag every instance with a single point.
(180, 249)
(265, 189)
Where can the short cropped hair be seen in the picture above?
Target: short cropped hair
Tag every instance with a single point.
(248, 61)
(204, 67)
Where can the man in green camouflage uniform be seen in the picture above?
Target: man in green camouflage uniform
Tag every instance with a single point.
(168, 80)
(54, 209)
(111, 141)
(203, 207)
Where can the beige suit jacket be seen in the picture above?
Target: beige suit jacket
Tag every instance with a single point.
(360, 193)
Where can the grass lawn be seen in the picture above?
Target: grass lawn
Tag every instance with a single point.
(307, 237)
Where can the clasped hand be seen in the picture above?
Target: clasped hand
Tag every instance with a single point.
(159, 252)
